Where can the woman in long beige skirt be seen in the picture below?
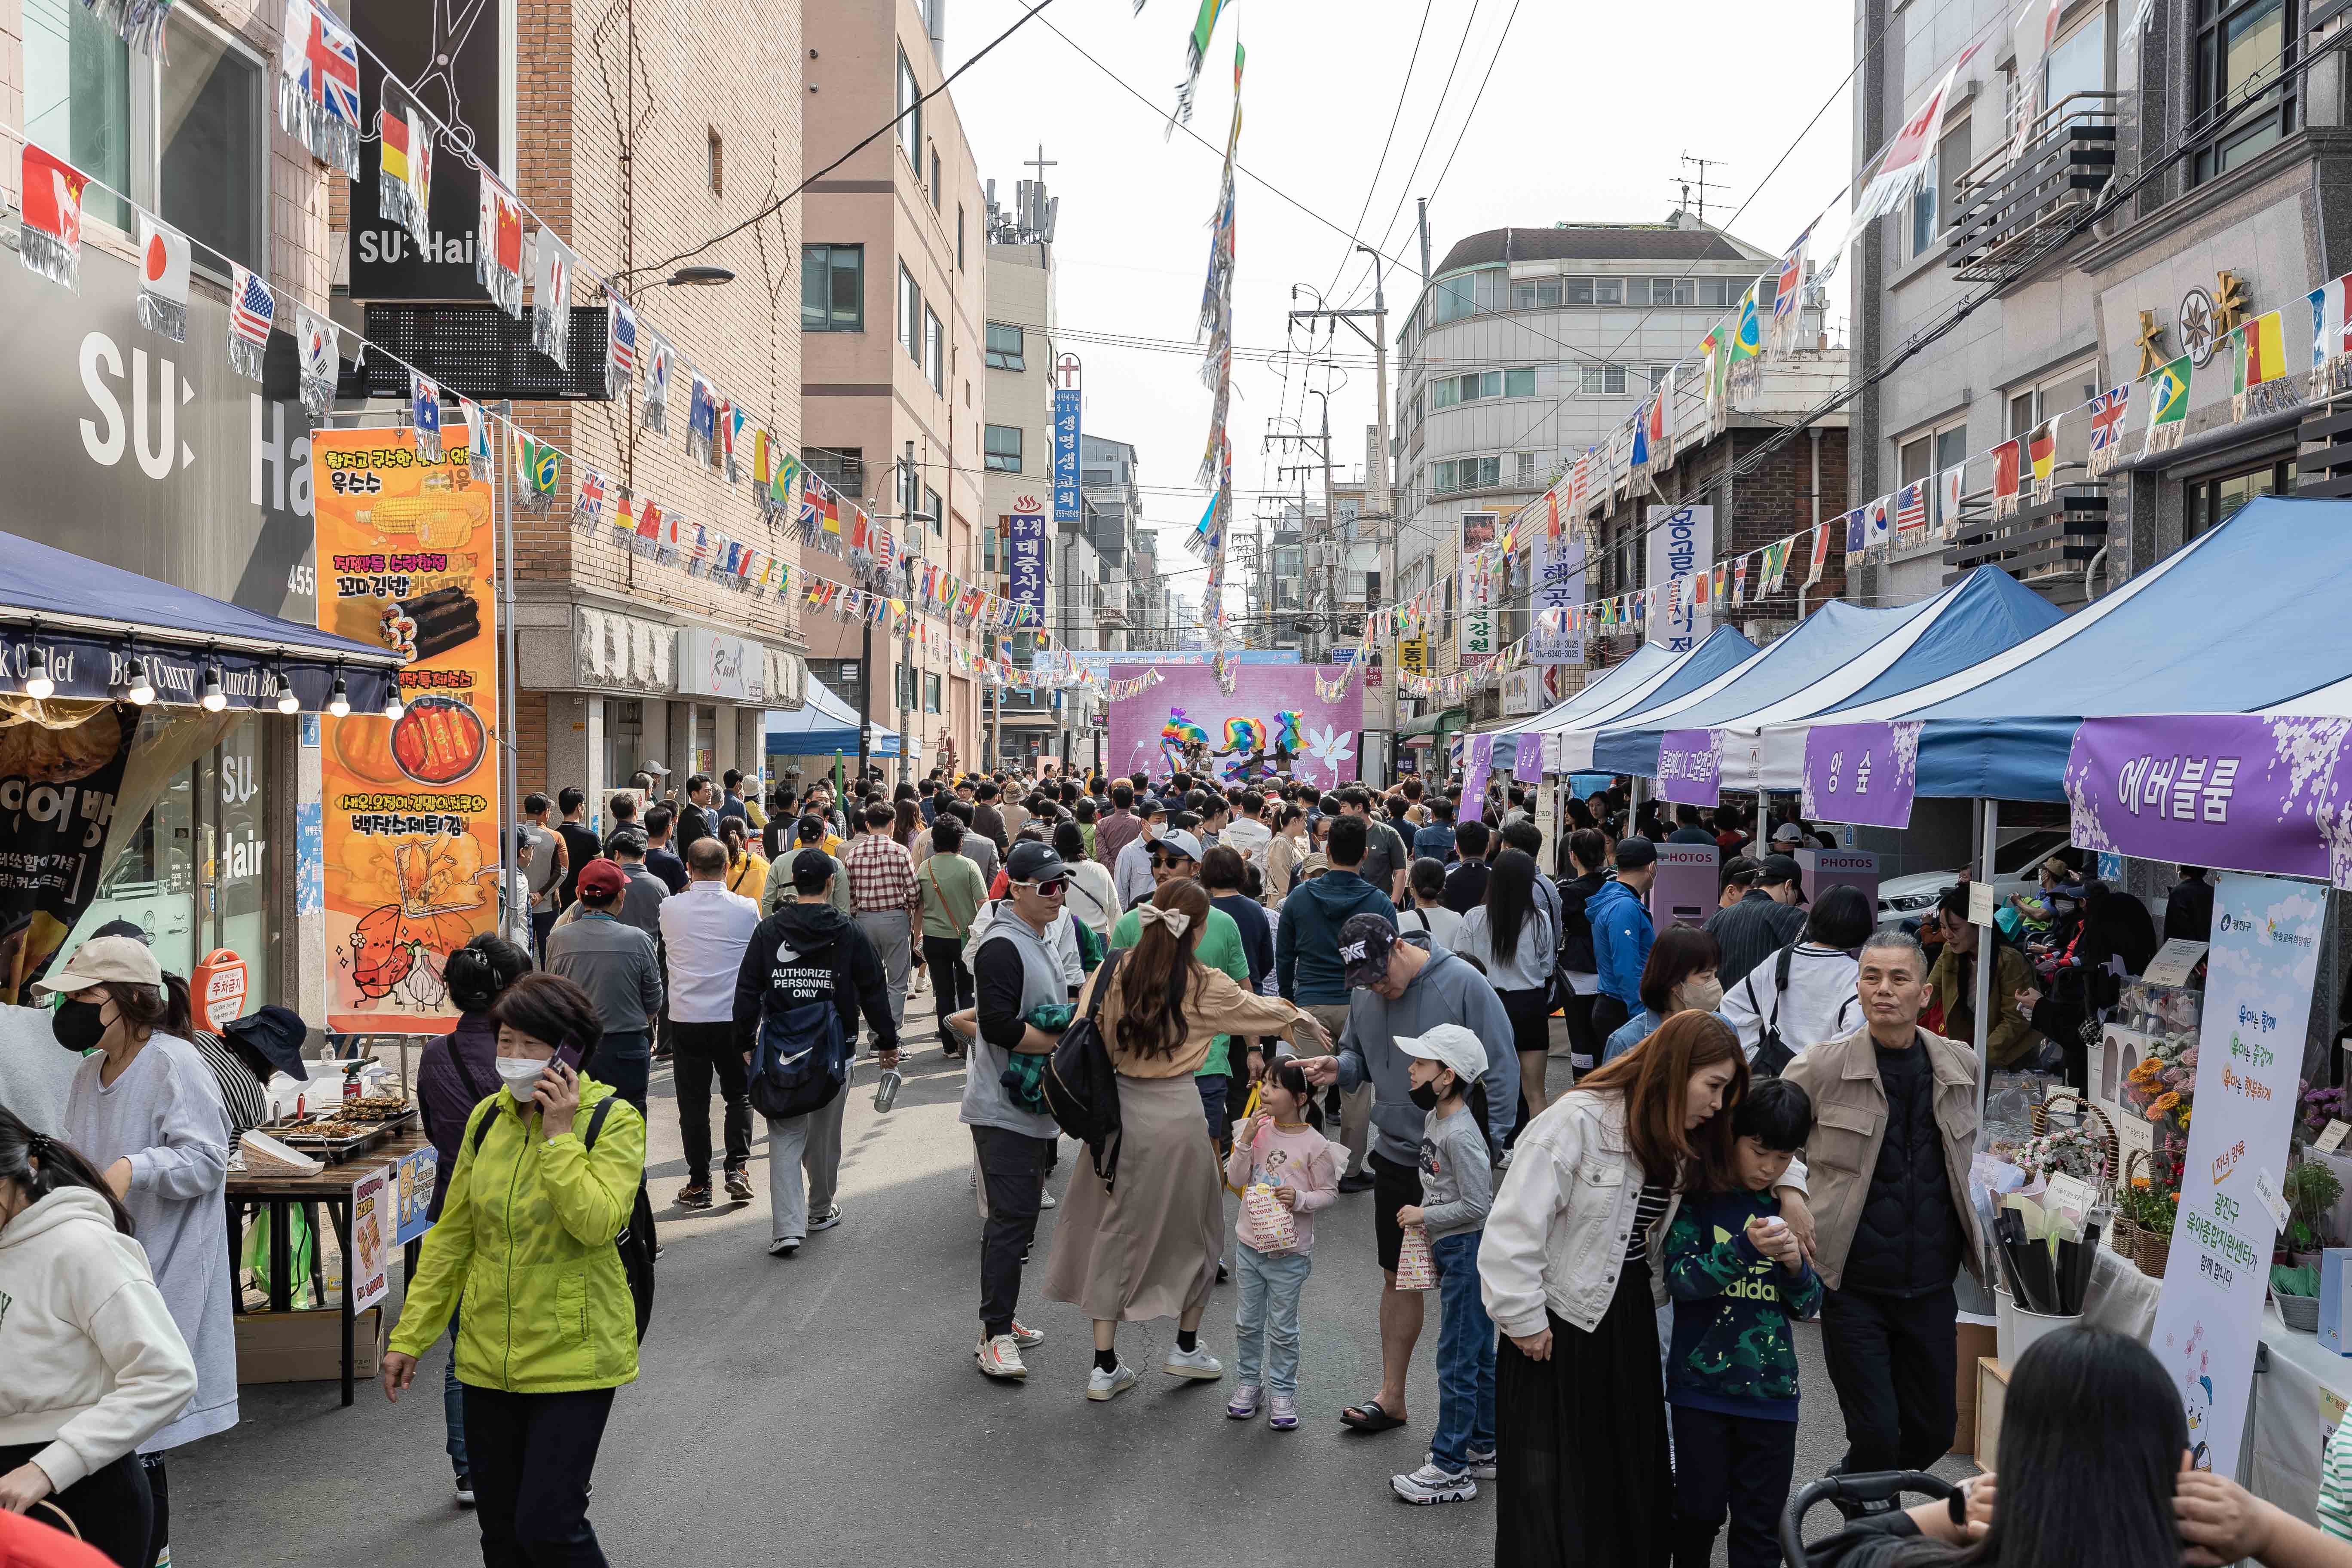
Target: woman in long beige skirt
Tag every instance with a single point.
(1147, 1247)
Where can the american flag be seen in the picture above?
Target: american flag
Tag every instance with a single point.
(330, 67)
(622, 354)
(1911, 510)
(2107, 411)
(252, 310)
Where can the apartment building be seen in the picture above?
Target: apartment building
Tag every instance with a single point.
(1110, 479)
(892, 251)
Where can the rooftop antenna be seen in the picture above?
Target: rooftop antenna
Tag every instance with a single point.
(1702, 165)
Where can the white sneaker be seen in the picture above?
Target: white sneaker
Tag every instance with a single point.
(1000, 1357)
(1245, 1402)
(1101, 1384)
(1046, 1201)
(1194, 1363)
(1480, 1466)
(1027, 1338)
(1429, 1484)
(825, 1221)
(784, 1246)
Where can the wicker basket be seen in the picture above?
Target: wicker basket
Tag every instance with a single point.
(2150, 1251)
(2122, 1234)
(2111, 1173)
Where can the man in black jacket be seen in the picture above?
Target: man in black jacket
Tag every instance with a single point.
(1765, 919)
(805, 951)
(2188, 908)
(697, 818)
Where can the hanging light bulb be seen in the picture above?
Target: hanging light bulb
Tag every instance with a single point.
(142, 684)
(216, 695)
(38, 686)
(339, 698)
(287, 702)
(393, 708)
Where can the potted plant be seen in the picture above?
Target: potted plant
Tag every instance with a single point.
(2311, 1189)
(2151, 1208)
(2315, 1108)
(2298, 1292)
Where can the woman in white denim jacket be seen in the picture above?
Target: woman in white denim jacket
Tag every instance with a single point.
(1570, 1273)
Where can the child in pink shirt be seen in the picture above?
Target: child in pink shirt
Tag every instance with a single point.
(1279, 1147)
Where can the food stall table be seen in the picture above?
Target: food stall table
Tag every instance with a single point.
(331, 1187)
(2300, 1394)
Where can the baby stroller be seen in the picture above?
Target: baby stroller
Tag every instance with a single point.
(1852, 1495)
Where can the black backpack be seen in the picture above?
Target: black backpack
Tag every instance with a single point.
(635, 1242)
(1772, 1053)
(1081, 1085)
(801, 1059)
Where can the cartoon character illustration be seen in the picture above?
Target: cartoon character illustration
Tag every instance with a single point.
(2199, 1404)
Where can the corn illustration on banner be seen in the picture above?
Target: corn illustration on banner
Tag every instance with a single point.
(407, 559)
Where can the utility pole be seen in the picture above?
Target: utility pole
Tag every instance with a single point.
(900, 683)
(1423, 203)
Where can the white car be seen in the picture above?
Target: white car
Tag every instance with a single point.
(2016, 866)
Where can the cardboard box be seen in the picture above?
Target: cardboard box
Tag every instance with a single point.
(2334, 1309)
(1992, 1398)
(1978, 1341)
(306, 1347)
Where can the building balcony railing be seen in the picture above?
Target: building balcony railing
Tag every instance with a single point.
(2008, 209)
(2042, 544)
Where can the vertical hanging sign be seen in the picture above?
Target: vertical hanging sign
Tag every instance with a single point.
(1682, 545)
(407, 561)
(1554, 637)
(1066, 438)
(1024, 562)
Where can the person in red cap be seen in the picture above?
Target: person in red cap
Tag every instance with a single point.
(615, 964)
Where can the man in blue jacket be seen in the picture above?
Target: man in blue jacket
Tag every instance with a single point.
(1307, 969)
(1622, 932)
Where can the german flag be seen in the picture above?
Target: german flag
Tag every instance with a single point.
(2042, 447)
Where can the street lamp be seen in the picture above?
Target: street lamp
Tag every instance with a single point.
(697, 277)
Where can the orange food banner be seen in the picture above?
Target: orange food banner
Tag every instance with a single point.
(407, 559)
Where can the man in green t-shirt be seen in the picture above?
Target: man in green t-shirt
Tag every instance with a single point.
(1176, 858)
(952, 893)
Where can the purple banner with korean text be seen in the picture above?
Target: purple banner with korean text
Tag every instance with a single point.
(1526, 758)
(1690, 767)
(2240, 792)
(1862, 774)
(1477, 764)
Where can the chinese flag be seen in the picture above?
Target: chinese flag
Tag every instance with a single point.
(2004, 471)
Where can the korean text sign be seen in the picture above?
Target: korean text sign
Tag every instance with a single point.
(1682, 545)
(2248, 790)
(1065, 454)
(1690, 767)
(1559, 587)
(2265, 955)
(406, 560)
(1024, 557)
(1862, 774)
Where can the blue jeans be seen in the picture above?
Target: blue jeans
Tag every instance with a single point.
(1268, 1307)
(1466, 1356)
(453, 1403)
(1212, 1105)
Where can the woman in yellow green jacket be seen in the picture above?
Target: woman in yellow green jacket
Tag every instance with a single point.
(525, 1238)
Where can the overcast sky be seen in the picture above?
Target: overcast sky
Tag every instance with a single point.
(1583, 119)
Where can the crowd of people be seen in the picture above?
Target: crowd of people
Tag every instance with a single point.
(1286, 994)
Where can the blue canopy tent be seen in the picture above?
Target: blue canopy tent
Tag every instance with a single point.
(1724, 649)
(1839, 650)
(2245, 617)
(823, 725)
(1646, 663)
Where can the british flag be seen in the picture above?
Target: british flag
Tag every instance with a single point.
(1911, 510)
(328, 72)
(2107, 413)
(591, 507)
(253, 310)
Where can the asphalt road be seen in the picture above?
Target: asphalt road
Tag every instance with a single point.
(826, 1408)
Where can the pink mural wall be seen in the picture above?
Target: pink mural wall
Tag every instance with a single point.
(1187, 697)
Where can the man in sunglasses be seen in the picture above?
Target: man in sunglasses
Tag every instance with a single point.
(1175, 857)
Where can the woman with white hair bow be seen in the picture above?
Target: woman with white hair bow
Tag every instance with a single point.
(1145, 1244)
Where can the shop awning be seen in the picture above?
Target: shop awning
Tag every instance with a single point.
(1609, 685)
(1902, 649)
(823, 725)
(1723, 650)
(2246, 618)
(82, 622)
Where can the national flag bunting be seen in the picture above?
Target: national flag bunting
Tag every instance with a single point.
(1821, 555)
(2006, 461)
(620, 347)
(424, 416)
(2108, 411)
(1911, 513)
(49, 240)
(404, 192)
(2042, 456)
(162, 280)
(2168, 404)
(497, 245)
(251, 310)
(319, 85)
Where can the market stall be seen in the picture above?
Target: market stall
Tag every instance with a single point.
(821, 728)
(1723, 651)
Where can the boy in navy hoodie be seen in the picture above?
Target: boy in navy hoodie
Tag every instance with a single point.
(1738, 1276)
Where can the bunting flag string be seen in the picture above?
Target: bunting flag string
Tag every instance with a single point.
(403, 180)
(551, 300)
(163, 278)
(318, 86)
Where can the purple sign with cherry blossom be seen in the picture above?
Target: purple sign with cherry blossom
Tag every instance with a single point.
(2242, 792)
(1690, 767)
(1862, 774)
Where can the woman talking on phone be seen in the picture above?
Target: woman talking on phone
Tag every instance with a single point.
(544, 1181)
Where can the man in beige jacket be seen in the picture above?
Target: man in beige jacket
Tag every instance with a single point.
(1894, 1126)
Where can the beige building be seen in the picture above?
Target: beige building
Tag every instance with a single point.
(892, 268)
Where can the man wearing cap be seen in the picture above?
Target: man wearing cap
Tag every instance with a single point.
(1307, 968)
(1767, 917)
(1175, 857)
(1130, 874)
(1403, 987)
(1788, 839)
(1621, 933)
(617, 965)
(1016, 970)
(807, 951)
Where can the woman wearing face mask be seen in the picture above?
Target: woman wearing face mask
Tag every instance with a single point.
(1679, 978)
(95, 1366)
(526, 1239)
(1516, 938)
(1569, 1270)
(456, 1073)
(145, 1112)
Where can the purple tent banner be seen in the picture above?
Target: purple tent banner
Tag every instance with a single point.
(1526, 760)
(1862, 774)
(2242, 792)
(1690, 767)
(1477, 763)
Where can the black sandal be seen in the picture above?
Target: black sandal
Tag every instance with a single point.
(1370, 1417)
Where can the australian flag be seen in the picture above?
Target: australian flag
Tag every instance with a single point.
(424, 414)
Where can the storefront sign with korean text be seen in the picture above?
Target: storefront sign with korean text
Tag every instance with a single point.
(59, 792)
(1690, 767)
(2247, 791)
(1682, 546)
(1065, 454)
(2264, 958)
(406, 554)
(1024, 557)
(1862, 774)
(1557, 638)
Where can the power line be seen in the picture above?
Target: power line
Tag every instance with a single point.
(1403, 88)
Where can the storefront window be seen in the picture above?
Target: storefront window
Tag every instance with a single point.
(625, 734)
(2212, 503)
(704, 740)
(77, 98)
